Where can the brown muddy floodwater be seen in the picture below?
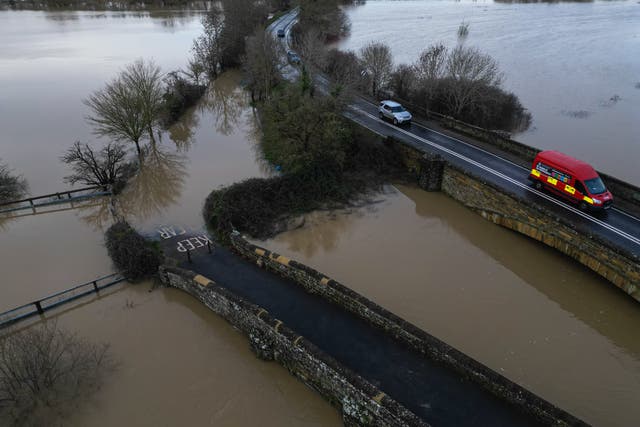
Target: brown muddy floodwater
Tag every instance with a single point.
(179, 363)
(536, 316)
(575, 65)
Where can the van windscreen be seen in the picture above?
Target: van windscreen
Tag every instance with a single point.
(595, 186)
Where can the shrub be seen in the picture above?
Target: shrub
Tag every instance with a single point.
(179, 95)
(12, 187)
(132, 254)
(44, 371)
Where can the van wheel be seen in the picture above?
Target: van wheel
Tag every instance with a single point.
(583, 206)
(538, 185)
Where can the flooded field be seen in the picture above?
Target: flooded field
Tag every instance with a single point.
(179, 362)
(574, 65)
(537, 317)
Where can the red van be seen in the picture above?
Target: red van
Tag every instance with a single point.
(570, 178)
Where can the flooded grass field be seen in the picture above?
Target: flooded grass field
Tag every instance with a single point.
(535, 316)
(574, 65)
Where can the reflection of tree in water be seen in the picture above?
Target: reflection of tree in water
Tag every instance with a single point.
(227, 101)
(157, 185)
(322, 230)
(254, 136)
(181, 132)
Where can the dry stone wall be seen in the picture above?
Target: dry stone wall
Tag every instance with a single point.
(403, 331)
(508, 210)
(361, 403)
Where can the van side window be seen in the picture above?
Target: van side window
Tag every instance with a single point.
(548, 170)
(580, 187)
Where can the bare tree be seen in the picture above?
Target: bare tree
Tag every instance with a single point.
(45, 369)
(344, 69)
(378, 63)
(469, 73)
(312, 47)
(105, 167)
(403, 80)
(261, 64)
(431, 69)
(145, 78)
(12, 187)
(130, 105)
(207, 48)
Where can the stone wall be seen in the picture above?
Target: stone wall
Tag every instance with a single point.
(619, 267)
(429, 346)
(500, 207)
(361, 403)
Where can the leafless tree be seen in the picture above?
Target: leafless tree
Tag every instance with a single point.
(130, 105)
(12, 187)
(207, 48)
(469, 73)
(403, 80)
(195, 70)
(343, 67)
(378, 63)
(108, 166)
(45, 370)
(312, 48)
(430, 70)
(261, 64)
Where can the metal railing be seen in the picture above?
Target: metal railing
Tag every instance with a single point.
(47, 303)
(54, 198)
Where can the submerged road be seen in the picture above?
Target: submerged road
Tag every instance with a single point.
(432, 392)
(617, 228)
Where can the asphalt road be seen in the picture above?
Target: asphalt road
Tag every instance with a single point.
(618, 228)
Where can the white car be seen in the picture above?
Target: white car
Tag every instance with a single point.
(395, 112)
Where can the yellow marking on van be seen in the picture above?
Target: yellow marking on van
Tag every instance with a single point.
(378, 397)
(259, 251)
(569, 189)
(283, 260)
(278, 324)
(588, 199)
(535, 172)
(202, 281)
(552, 181)
(324, 281)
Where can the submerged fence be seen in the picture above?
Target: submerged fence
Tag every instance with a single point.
(47, 303)
(68, 196)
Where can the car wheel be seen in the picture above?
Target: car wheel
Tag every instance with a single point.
(395, 122)
(538, 185)
(381, 115)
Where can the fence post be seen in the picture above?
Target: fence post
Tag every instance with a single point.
(59, 196)
(189, 255)
(95, 286)
(39, 307)
(209, 245)
(33, 208)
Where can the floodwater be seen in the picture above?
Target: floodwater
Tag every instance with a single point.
(179, 362)
(515, 305)
(574, 65)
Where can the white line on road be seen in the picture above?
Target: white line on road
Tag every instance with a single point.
(506, 178)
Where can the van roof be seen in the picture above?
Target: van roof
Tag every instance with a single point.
(581, 169)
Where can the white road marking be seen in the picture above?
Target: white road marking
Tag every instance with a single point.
(506, 178)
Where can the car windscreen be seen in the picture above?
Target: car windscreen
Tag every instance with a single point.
(595, 186)
(397, 109)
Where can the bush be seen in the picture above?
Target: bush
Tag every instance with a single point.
(132, 254)
(179, 95)
(44, 371)
(12, 187)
